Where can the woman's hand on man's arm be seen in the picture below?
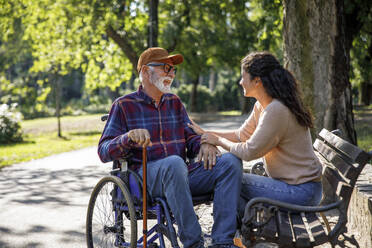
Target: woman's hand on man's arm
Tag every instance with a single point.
(196, 128)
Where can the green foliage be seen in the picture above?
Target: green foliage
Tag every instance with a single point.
(361, 59)
(268, 18)
(223, 98)
(359, 24)
(205, 97)
(10, 129)
(363, 126)
(41, 41)
(226, 95)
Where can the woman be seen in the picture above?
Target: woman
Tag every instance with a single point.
(278, 129)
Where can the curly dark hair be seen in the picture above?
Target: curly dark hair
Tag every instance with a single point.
(278, 82)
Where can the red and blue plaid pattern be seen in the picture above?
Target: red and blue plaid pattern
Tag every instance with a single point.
(166, 123)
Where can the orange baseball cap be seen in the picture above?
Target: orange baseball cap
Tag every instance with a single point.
(157, 54)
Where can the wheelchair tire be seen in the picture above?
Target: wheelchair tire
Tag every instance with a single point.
(106, 226)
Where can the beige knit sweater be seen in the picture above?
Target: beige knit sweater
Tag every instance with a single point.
(286, 146)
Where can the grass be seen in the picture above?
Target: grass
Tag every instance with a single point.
(39, 146)
(41, 138)
(84, 131)
(230, 112)
(68, 123)
(363, 126)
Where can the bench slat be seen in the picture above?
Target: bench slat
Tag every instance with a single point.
(299, 228)
(269, 231)
(333, 157)
(316, 228)
(285, 237)
(353, 152)
(333, 178)
(338, 184)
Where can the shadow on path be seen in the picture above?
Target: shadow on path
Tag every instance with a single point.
(45, 207)
(45, 186)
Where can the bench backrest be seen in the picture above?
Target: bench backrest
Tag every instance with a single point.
(342, 164)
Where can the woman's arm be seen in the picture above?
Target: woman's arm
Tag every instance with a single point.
(229, 135)
(216, 140)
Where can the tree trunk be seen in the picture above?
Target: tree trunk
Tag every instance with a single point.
(57, 94)
(317, 52)
(194, 94)
(123, 42)
(364, 94)
(212, 80)
(153, 23)
(131, 81)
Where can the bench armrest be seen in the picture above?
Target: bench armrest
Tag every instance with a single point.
(288, 206)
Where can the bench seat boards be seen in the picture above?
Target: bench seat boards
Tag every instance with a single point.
(316, 228)
(299, 228)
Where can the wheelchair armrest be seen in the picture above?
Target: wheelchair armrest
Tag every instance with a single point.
(104, 117)
(288, 206)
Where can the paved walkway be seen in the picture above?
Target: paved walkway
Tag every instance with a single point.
(43, 202)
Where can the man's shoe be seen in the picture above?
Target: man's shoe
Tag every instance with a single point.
(238, 242)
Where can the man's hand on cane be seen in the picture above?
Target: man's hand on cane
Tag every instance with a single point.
(140, 136)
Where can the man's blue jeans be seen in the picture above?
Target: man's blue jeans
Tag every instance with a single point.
(306, 194)
(169, 178)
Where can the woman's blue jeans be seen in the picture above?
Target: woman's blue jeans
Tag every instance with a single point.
(306, 194)
(169, 178)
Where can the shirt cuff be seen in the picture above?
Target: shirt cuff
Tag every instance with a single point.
(125, 141)
(234, 149)
(237, 134)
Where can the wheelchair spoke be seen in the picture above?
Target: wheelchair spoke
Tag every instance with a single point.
(107, 225)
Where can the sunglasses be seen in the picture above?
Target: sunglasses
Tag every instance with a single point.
(166, 67)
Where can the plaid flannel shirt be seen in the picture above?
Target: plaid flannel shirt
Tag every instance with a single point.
(166, 123)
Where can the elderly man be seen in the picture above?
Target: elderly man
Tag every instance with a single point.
(155, 118)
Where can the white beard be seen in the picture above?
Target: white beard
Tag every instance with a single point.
(159, 83)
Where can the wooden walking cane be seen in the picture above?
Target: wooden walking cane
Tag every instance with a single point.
(144, 195)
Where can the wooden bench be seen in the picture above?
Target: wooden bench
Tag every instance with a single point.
(291, 225)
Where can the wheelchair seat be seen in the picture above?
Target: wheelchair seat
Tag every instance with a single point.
(202, 199)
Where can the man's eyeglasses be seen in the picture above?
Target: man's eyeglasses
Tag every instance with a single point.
(166, 67)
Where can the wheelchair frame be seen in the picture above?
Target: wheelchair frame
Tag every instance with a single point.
(124, 200)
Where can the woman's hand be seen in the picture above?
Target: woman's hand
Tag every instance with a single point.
(197, 129)
(210, 138)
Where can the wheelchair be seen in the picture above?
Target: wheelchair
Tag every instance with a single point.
(116, 206)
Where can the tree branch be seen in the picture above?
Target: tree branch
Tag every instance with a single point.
(124, 44)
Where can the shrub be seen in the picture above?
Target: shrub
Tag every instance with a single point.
(10, 128)
(204, 101)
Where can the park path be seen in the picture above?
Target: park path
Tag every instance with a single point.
(43, 203)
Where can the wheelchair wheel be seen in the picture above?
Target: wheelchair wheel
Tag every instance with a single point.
(111, 219)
